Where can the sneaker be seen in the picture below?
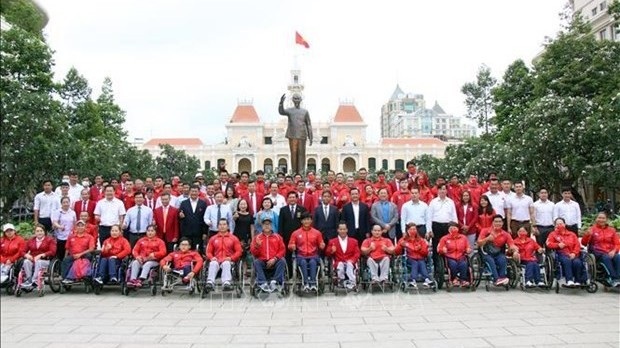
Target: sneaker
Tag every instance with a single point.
(210, 285)
(350, 286)
(529, 284)
(306, 288)
(577, 284)
(113, 280)
(313, 288)
(137, 283)
(190, 287)
(570, 283)
(26, 285)
(503, 281)
(617, 284)
(4, 278)
(541, 284)
(98, 280)
(226, 286)
(185, 280)
(178, 271)
(412, 284)
(427, 282)
(456, 282)
(465, 283)
(67, 281)
(265, 287)
(272, 285)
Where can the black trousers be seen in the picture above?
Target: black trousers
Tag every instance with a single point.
(47, 222)
(104, 233)
(440, 229)
(421, 230)
(60, 249)
(543, 232)
(573, 228)
(134, 238)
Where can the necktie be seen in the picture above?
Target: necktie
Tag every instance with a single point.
(165, 218)
(138, 219)
(326, 209)
(293, 211)
(302, 199)
(219, 213)
(84, 205)
(252, 202)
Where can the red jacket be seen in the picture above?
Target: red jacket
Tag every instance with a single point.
(90, 229)
(527, 248)
(455, 191)
(146, 246)
(285, 189)
(426, 195)
(96, 194)
(181, 259)
(344, 197)
(260, 187)
(474, 191)
(241, 189)
(411, 247)
(400, 198)
(308, 201)
(378, 253)
(485, 221)
(118, 247)
(47, 247)
(381, 185)
(79, 244)
(306, 242)
(392, 187)
(12, 249)
(90, 208)
(171, 227)
(258, 198)
(603, 240)
(501, 238)
(568, 238)
(457, 246)
(361, 184)
(129, 200)
(352, 254)
(271, 246)
(471, 217)
(223, 246)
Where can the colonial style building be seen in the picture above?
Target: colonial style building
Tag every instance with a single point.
(595, 12)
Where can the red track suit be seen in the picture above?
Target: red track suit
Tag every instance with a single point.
(378, 260)
(604, 240)
(144, 247)
(76, 244)
(426, 195)
(455, 192)
(307, 244)
(113, 251)
(220, 247)
(383, 185)
(182, 261)
(527, 252)
(475, 191)
(416, 250)
(485, 221)
(12, 249)
(497, 262)
(457, 247)
(400, 198)
(572, 269)
(271, 246)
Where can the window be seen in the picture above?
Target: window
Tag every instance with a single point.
(221, 164)
(372, 163)
(325, 165)
(282, 166)
(603, 34)
(594, 11)
(268, 141)
(603, 5)
(324, 140)
(311, 164)
(268, 165)
(384, 164)
(399, 164)
(207, 165)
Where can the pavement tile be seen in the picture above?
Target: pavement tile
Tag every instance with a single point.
(523, 339)
(451, 343)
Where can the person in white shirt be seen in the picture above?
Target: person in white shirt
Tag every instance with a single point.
(506, 188)
(276, 198)
(497, 198)
(174, 200)
(216, 212)
(109, 211)
(569, 210)
(45, 203)
(441, 212)
(415, 211)
(75, 189)
(519, 211)
(543, 216)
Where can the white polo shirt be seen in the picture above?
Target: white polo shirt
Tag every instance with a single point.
(569, 211)
(498, 202)
(543, 212)
(520, 207)
(110, 211)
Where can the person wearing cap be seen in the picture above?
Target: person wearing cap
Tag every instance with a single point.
(455, 247)
(12, 248)
(223, 250)
(269, 251)
(79, 246)
(306, 242)
(378, 250)
(39, 250)
(345, 253)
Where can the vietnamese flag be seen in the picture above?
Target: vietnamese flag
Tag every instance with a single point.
(301, 41)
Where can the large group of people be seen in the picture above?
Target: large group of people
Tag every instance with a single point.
(345, 217)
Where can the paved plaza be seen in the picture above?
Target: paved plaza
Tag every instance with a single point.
(459, 319)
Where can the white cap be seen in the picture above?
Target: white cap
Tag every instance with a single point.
(7, 227)
(198, 175)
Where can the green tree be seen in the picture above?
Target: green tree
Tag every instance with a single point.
(176, 162)
(479, 98)
(23, 14)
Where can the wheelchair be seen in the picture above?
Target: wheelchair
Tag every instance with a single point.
(86, 281)
(403, 272)
(152, 281)
(49, 275)
(445, 276)
(120, 275)
(603, 276)
(482, 270)
(546, 273)
(589, 273)
(368, 285)
(257, 292)
(337, 286)
(298, 283)
(236, 284)
(10, 285)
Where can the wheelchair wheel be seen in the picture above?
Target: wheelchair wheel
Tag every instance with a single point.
(53, 275)
(439, 274)
(512, 272)
(124, 288)
(18, 292)
(477, 269)
(97, 288)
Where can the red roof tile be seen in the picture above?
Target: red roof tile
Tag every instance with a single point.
(411, 141)
(174, 142)
(245, 114)
(348, 113)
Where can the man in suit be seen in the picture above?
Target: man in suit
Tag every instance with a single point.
(384, 213)
(167, 222)
(253, 198)
(85, 204)
(289, 221)
(395, 183)
(357, 216)
(191, 214)
(225, 182)
(306, 199)
(326, 217)
(345, 253)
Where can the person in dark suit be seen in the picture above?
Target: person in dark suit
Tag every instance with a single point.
(225, 182)
(289, 221)
(326, 217)
(86, 204)
(191, 215)
(357, 216)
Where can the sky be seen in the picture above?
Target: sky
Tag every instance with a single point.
(179, 68)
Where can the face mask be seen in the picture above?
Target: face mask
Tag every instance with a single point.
(474, 181)
(561, 228)
(522, 234)
(412, 234)
(311, 178)
(454, 231)
(85, 183)
(382, 178)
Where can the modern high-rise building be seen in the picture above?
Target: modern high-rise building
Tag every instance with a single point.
(405, 115)
(595, 12)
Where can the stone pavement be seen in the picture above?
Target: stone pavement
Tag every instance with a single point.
(458, 319)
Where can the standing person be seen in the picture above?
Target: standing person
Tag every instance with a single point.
(85, 204)
(455, 188)
(399, 198)
(167, 188)
(166, 219)
(467, 214)
(109, 211)
(306, 243)
(519, 211)
(230, 199)
(128, 195)
(356, 215)
(266, 211)
(260, 182)
(216, 212)
(345, 253)
(497, 198)
(138, 218)
(361, 181)
(486, 213)
(40, 249)
(191, 216)
(12, 248)
(223, 250)
(244, 224)
(442, 213)
(507, 188)
(543, 216)
(474, 188)
(605, 244)
(290, 221)
(268, 250)
(253, 198)
(45, 203)
(568, 210)
(394, 184)
(385, 214)
(149, 199)
(369, 196)
(426, 194)
(381, 183)
(74, 187)
(276, 198)
(63, 221)
(306, 199)
(96, 191)
(415, 212)
(325, 217)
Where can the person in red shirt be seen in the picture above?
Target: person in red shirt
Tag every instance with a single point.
(455, 248)
(146, 253)
(39, 250)
(306, 199)
(345, 253)
(269, 251)
(128, 195)
(287, 186)
(568, 252)
(395, 182)
(493, 241)
(79, 245)
(85, 204)
(604, 242)
(378, 249)
(403, 196)
(113, 251)
(12, 248)
(260, 182)
(475, 189)
(486, 213)
(527, 255)
(361, 181)
(186, 262)
(338, 187)
(415, 249)
(467, 213)
(426, 194)
(381, 183)
(435, 189)
(242, 186)
(369, 196)
(306, 242)
(491, 177)
(223, 250)
(91, 229)
(455, 189)
(96, 191)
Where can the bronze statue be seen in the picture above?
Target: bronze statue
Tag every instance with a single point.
(299, 129)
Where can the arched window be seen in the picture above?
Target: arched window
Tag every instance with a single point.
(399, 164)
(372, 163)
(348, 165)
(384, 164)
(207, 165)
(268, 165)
(325, 165)
(282, 165)
(311, 165)
(221, 164)
(244, 165)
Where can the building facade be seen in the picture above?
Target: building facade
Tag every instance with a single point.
(595, 12)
